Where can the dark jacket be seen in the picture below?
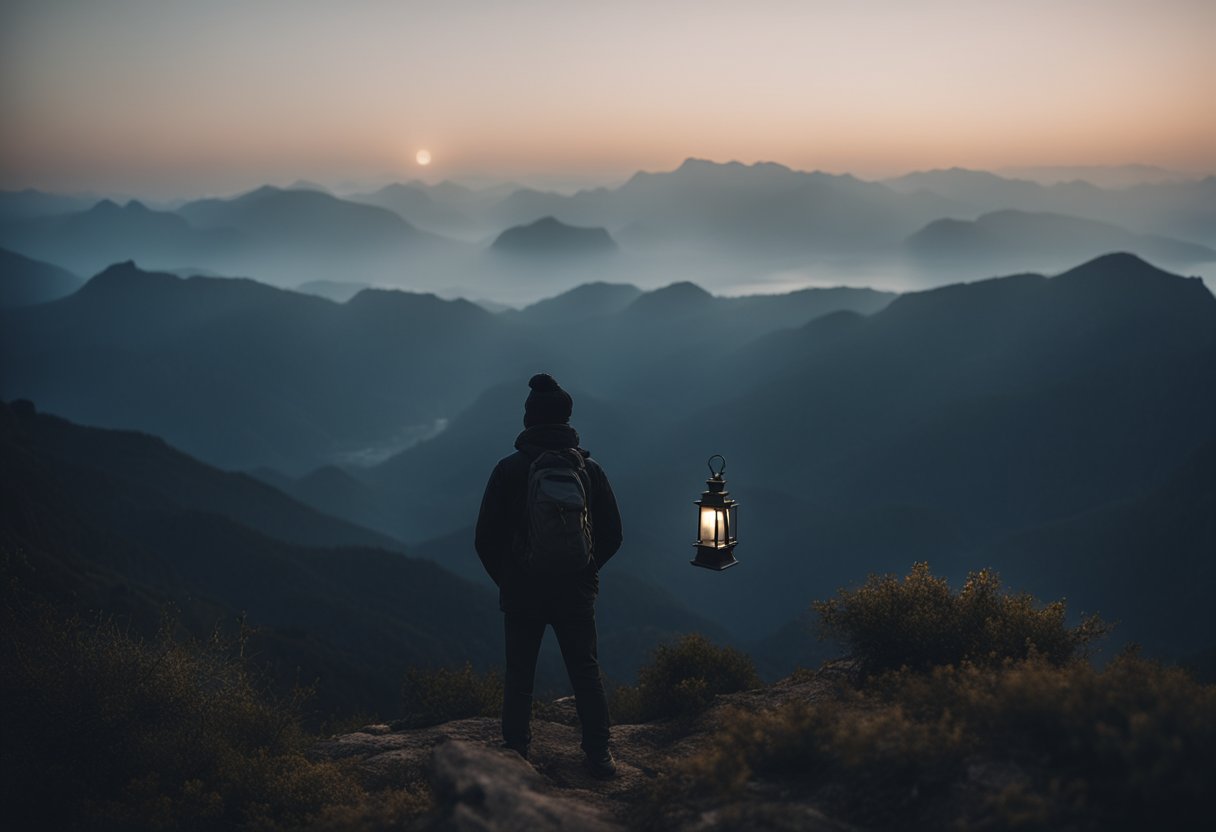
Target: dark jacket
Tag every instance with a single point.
(502, 528)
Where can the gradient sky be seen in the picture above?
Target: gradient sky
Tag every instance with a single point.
(161, 97)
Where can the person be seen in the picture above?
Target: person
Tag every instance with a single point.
(532, 599)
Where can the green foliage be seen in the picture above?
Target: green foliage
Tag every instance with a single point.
(107, 731)
(1064, 747)
(918, 622)
(432, 696)
(682, 679)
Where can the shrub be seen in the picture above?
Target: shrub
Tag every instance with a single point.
(1128, 746)
(917, 622)
(682, 680)
(433, 696)
(104, 730)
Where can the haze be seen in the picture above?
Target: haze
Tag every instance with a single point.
(177, 99)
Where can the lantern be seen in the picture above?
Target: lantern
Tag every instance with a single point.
(717, 522)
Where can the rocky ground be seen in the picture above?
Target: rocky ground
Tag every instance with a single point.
(480, 786)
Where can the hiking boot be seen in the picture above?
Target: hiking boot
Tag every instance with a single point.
(601, 765)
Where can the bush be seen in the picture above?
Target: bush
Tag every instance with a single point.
(433, 696)
(682, 680)
(1074, 747)
(917, 622)
(104, 730)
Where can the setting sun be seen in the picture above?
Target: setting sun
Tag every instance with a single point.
(423, 157)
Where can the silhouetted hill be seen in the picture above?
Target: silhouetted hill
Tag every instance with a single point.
(586, 301)
(160, 477)
(242, 374)
(95, 538)
(548, 236)
(676, 300)
(1028, 239)
(24, 282)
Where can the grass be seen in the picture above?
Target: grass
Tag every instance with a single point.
(105, 730)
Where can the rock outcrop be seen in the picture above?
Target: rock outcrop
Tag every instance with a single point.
(480, 787)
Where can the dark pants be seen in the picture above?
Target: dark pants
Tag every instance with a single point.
(577, 639)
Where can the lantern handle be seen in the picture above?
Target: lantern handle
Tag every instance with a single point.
(710, 463)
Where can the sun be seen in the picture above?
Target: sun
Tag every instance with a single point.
(423, 157)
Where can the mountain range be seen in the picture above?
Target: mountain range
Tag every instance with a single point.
(245, 375)
(940, 427)
(966, 424)
(720, 225)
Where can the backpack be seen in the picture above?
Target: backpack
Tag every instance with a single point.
(559, 520)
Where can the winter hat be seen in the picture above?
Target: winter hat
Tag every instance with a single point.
(548, 403)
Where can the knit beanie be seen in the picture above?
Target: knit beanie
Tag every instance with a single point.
(547, 403)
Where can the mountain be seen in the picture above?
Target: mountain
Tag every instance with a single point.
(310, 221)
(87, 241)
(161, 477)
(1181, 209)
(242, 374)
(1039, 239)
(580, 303)
(93, 539)
(24, 282)
(548, 237)
(762, 209)
(863, 431)
(296, 235)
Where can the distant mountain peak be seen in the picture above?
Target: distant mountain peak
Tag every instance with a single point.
(1121, 263)
(694, 164)
(549, 235)
(123, 277)
(676, 297)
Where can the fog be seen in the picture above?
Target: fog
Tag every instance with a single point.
(731, 228)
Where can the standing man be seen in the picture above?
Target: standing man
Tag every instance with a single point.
(548, 523)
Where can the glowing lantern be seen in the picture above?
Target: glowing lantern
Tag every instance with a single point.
(717, 522)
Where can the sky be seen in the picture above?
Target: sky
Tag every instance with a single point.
(165, 98)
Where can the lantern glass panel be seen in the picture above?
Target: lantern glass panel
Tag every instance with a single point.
(734, 523)
(713, 526)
